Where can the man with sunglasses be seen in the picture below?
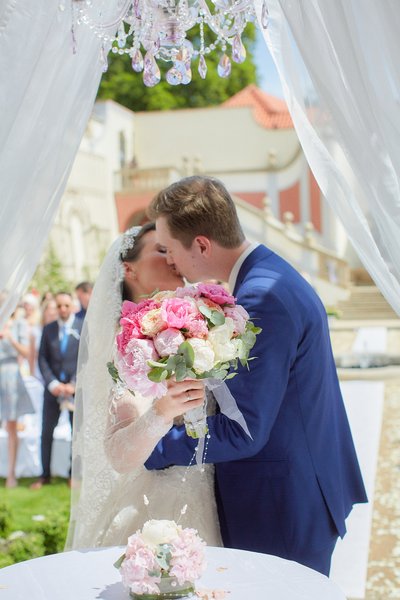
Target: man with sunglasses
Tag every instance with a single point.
(58, 356)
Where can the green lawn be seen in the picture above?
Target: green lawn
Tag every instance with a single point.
(42, 515)
(25, 503)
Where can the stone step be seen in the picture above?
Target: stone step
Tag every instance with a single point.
(366, 302)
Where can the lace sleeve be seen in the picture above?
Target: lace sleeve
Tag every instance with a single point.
(132, 431)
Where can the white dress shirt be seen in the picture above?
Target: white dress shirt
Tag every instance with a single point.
(68, 324)
(238, 264)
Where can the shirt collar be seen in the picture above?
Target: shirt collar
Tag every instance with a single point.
(68, 323)
(238, 264)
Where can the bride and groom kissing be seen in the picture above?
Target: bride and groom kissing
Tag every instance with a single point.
(288, 488)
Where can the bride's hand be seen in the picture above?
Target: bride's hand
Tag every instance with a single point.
(181, 397)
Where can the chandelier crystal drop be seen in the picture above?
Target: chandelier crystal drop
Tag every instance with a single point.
(151, 31)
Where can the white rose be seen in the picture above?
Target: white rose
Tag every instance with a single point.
(204, 357)
(152, 322)
(160, 531)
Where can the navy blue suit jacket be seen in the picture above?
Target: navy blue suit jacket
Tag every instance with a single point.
(51, 362)
(288, 490)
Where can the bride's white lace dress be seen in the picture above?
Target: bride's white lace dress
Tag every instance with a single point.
(113, 436)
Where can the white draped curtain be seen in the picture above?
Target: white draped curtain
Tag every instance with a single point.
(339, 65)
(46, 95)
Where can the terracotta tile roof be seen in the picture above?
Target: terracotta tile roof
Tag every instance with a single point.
(268, 111)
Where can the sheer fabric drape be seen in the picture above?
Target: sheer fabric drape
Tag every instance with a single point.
(46, 95)
(339, 64)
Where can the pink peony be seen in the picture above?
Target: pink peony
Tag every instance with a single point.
(133, 368)
(239, 316)
(188, 560)
(131, 321)
(190, 291)
(176, 312)
(210, 304)
(197, 326)
(139, 562)
(216, 293)
(168, 341)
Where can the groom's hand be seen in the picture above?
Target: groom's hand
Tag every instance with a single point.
(181, 397)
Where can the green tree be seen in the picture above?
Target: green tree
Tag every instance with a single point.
(122, 84)
(49, 275)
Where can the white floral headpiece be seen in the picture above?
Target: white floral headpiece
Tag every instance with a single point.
(128, 240)
(127, 243)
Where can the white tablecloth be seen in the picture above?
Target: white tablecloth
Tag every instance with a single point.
(90, 575)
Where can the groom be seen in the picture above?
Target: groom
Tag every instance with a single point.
(288, 489)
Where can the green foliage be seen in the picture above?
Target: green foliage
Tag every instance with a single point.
(24, 547)
(49, 275)
(122, 84)
(53, 531)
(37, 537)
(5, 520)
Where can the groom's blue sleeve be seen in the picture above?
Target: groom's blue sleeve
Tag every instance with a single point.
(258, 391)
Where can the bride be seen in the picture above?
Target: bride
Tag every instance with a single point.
(114, 433)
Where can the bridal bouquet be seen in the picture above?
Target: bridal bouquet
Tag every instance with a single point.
(195, 332)
(163, 560)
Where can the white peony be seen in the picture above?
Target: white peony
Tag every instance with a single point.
(204, 356)
(224, 345)
(159, 531)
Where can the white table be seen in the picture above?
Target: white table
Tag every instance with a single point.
(90, 575)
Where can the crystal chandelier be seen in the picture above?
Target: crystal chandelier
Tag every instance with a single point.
(150, 31)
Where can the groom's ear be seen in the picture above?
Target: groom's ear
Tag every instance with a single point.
(203, 245)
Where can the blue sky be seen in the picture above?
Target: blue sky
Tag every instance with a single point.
(268, 77)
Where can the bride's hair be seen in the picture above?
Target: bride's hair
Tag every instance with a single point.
(131, 252)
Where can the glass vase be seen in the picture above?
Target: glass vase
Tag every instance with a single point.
(169, 590)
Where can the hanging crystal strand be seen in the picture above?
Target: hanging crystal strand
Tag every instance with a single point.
(74, 22)
(238, 49)
(174, 76)
(103, 58)
(224, 66)
(121, 37)
(136, 55)
(137, 61)
(264, 15)
(186, 73)
(202, 68)
(151, 73)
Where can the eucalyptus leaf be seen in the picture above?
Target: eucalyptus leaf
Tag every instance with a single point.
(205, 311)
(230, 376)
(187, 351)
(119, 562)
(180, 372)
(158, 374)
(161, 363)
(113, 371)
(217, 318)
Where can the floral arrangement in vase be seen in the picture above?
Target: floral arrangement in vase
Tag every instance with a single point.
(162, 561)
(194, 332)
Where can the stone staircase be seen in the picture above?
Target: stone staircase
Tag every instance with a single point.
(366, 303)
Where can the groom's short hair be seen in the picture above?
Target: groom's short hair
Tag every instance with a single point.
(199, 205)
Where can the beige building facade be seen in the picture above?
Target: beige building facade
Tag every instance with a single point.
(248, 142)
